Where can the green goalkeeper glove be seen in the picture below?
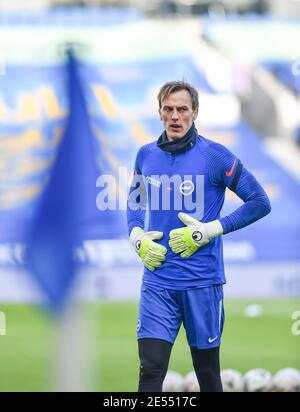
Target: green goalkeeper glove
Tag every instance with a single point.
(151, 253)
(187, 240)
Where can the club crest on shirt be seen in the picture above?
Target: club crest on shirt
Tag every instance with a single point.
(187, 187)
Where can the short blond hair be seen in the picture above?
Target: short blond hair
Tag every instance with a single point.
(175, 86)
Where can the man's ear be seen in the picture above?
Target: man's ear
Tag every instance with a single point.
(195, 114)
(159, 113)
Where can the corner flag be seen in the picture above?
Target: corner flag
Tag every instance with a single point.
(63, 207)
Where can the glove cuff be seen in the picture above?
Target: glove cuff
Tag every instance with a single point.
(136, 231)
(214, 229)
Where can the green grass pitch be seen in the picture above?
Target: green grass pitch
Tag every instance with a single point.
(26, 351)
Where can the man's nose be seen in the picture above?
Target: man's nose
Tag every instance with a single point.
(174, 114)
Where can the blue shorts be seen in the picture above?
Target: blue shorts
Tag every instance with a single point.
(201, 310)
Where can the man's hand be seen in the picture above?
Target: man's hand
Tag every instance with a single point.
(151, 253)
(187, 240)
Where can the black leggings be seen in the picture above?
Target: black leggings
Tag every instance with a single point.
(207, 367)
(154, 361)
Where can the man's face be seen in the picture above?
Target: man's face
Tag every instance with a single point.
(177, 114)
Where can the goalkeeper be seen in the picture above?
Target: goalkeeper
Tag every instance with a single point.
(182, 249)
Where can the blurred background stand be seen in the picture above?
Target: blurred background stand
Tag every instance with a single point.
(242, 57)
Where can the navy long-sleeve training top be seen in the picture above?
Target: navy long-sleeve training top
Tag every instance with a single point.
(193, 182)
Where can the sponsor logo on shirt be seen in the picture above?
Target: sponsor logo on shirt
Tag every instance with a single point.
(153, 182)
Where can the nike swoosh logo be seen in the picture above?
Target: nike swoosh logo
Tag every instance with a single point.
(228, 174)
(210, 340)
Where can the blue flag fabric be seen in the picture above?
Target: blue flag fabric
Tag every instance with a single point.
(67, 205)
